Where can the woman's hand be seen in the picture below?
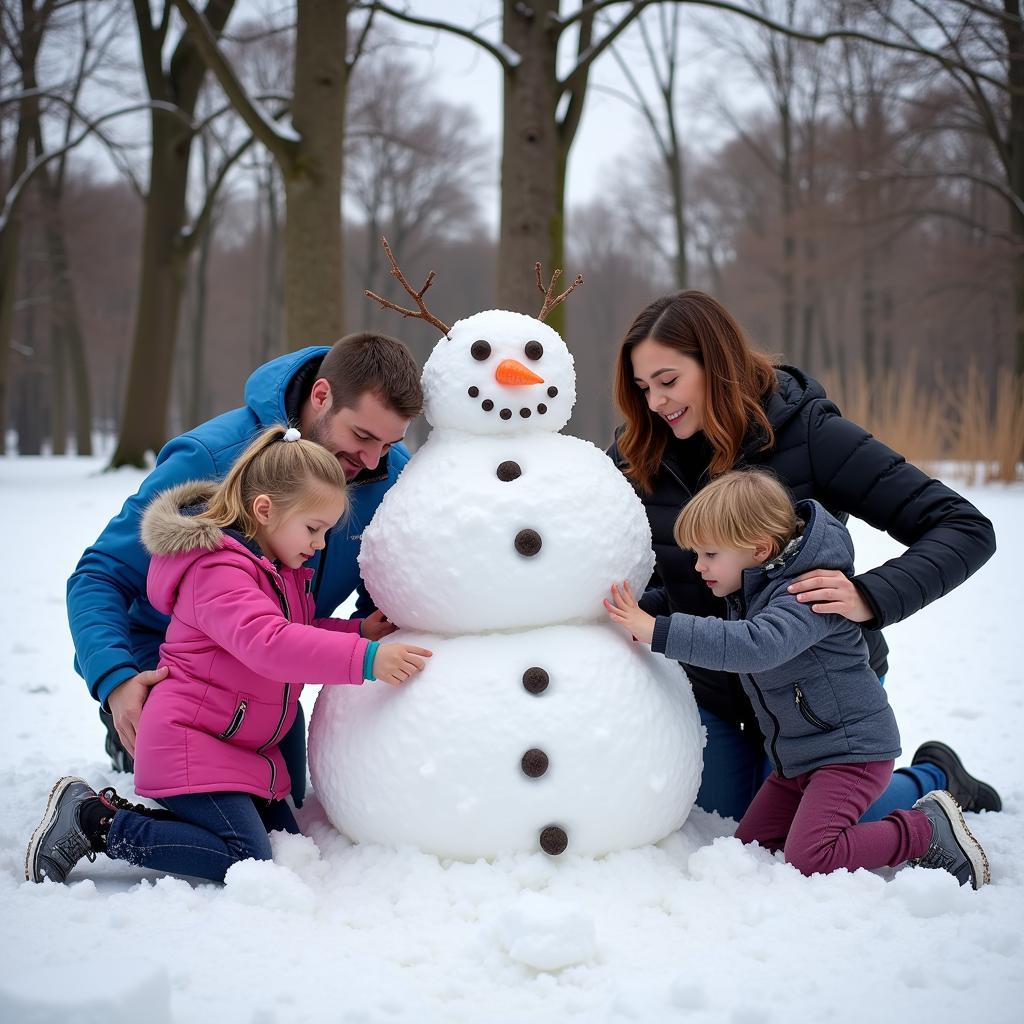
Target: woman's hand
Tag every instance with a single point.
(396, 663)
(831, 592)
(375, 626)
(624, 611)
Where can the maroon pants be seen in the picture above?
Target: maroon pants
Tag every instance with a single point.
(815, 819)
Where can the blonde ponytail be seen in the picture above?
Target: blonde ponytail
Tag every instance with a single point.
(280, 469)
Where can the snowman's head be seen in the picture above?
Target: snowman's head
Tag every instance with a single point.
(499, 373)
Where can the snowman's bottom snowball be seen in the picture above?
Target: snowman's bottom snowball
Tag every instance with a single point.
(439, 763)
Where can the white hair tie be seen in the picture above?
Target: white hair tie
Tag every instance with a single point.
(291, 434)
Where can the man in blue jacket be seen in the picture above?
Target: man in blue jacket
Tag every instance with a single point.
(356, 399)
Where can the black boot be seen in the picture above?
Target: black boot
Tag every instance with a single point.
(970, 793)
(74, 825)
(120, 759)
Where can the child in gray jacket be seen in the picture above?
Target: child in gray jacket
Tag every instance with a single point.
(830, 732)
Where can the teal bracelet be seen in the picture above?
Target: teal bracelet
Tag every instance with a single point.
(368, 657)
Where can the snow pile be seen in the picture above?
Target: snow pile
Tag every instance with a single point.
(696, 929)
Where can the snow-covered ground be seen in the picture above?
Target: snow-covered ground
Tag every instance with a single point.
(696, 929)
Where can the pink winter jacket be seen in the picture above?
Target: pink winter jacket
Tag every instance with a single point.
(241, 642)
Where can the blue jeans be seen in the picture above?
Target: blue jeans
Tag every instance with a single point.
(735, 765)
(208, 833)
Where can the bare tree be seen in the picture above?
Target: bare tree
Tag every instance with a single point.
(310, 157)
(166, 243)
(414, 170)
(660, 116)
(542, 112)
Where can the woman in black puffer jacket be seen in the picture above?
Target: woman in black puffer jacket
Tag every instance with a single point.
(698, 401)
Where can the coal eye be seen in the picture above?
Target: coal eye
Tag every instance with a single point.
(480, 350)
(534, 350)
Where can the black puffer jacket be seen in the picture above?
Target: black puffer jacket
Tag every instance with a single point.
(820, 455)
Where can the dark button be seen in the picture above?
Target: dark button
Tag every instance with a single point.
(474, 391)
(535, 763)
(505, 414)
(525, 413)
(542, 408)
(487, 405)
(535, 680)
(553, 840)
(509, 471)
(528, 542)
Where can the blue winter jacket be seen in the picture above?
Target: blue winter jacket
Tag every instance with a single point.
(117, 633)
(807, 675)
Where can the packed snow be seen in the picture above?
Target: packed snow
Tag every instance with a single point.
(697, 928)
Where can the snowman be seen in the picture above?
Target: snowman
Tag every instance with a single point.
(536, 724)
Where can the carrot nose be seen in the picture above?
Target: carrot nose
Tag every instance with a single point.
(512, 373)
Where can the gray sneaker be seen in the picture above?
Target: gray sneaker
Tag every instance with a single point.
(59, 841)
(952, 846)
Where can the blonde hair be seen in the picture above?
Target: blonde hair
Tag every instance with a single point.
(283, 470)
(738, 510)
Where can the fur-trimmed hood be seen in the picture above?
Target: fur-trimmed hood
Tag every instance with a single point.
(166, 530)
(176, 540)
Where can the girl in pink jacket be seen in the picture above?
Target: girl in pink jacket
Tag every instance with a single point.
(228, 566)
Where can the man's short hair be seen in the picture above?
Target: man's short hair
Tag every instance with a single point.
(374, 363)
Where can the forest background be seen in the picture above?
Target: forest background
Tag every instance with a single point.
(190, 189)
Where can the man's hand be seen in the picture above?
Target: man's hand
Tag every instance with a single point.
(831, 592)
(624, 611)
(125, 703)
(375, 626)
(395, 663)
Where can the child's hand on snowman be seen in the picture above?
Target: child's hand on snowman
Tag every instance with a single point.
(396, 663)
(624, 611)
(375, 626)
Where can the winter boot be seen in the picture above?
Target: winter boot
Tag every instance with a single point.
(970, 793)
(74, 825)
(120, 759)
(952, 846)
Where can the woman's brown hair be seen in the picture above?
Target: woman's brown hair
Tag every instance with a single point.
(738, 380)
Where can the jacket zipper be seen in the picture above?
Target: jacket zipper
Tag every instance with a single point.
(776, 728)
(287, 695)
(738, 605)
(236, 721)
(805, 709)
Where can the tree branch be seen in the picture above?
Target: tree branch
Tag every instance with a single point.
(191, 235)
(505, 56)
(16, 191)
(579, 72)
(284, 147)
(847, 33)
(357, 52)
(1016, 201)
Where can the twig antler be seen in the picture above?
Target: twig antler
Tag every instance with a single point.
(423, 313)
(549, 301)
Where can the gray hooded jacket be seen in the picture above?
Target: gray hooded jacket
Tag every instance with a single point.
(807, 675)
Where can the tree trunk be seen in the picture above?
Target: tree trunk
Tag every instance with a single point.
(162, 273)
(678, 186)
(313, 229)
(1015, 74)
(196, 388)
(28, 117)
(161, 284)
(67, 344)
(532, 165)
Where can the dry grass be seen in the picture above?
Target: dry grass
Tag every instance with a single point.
(969, 422)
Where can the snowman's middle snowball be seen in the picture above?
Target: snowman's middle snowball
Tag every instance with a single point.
(459, 547)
